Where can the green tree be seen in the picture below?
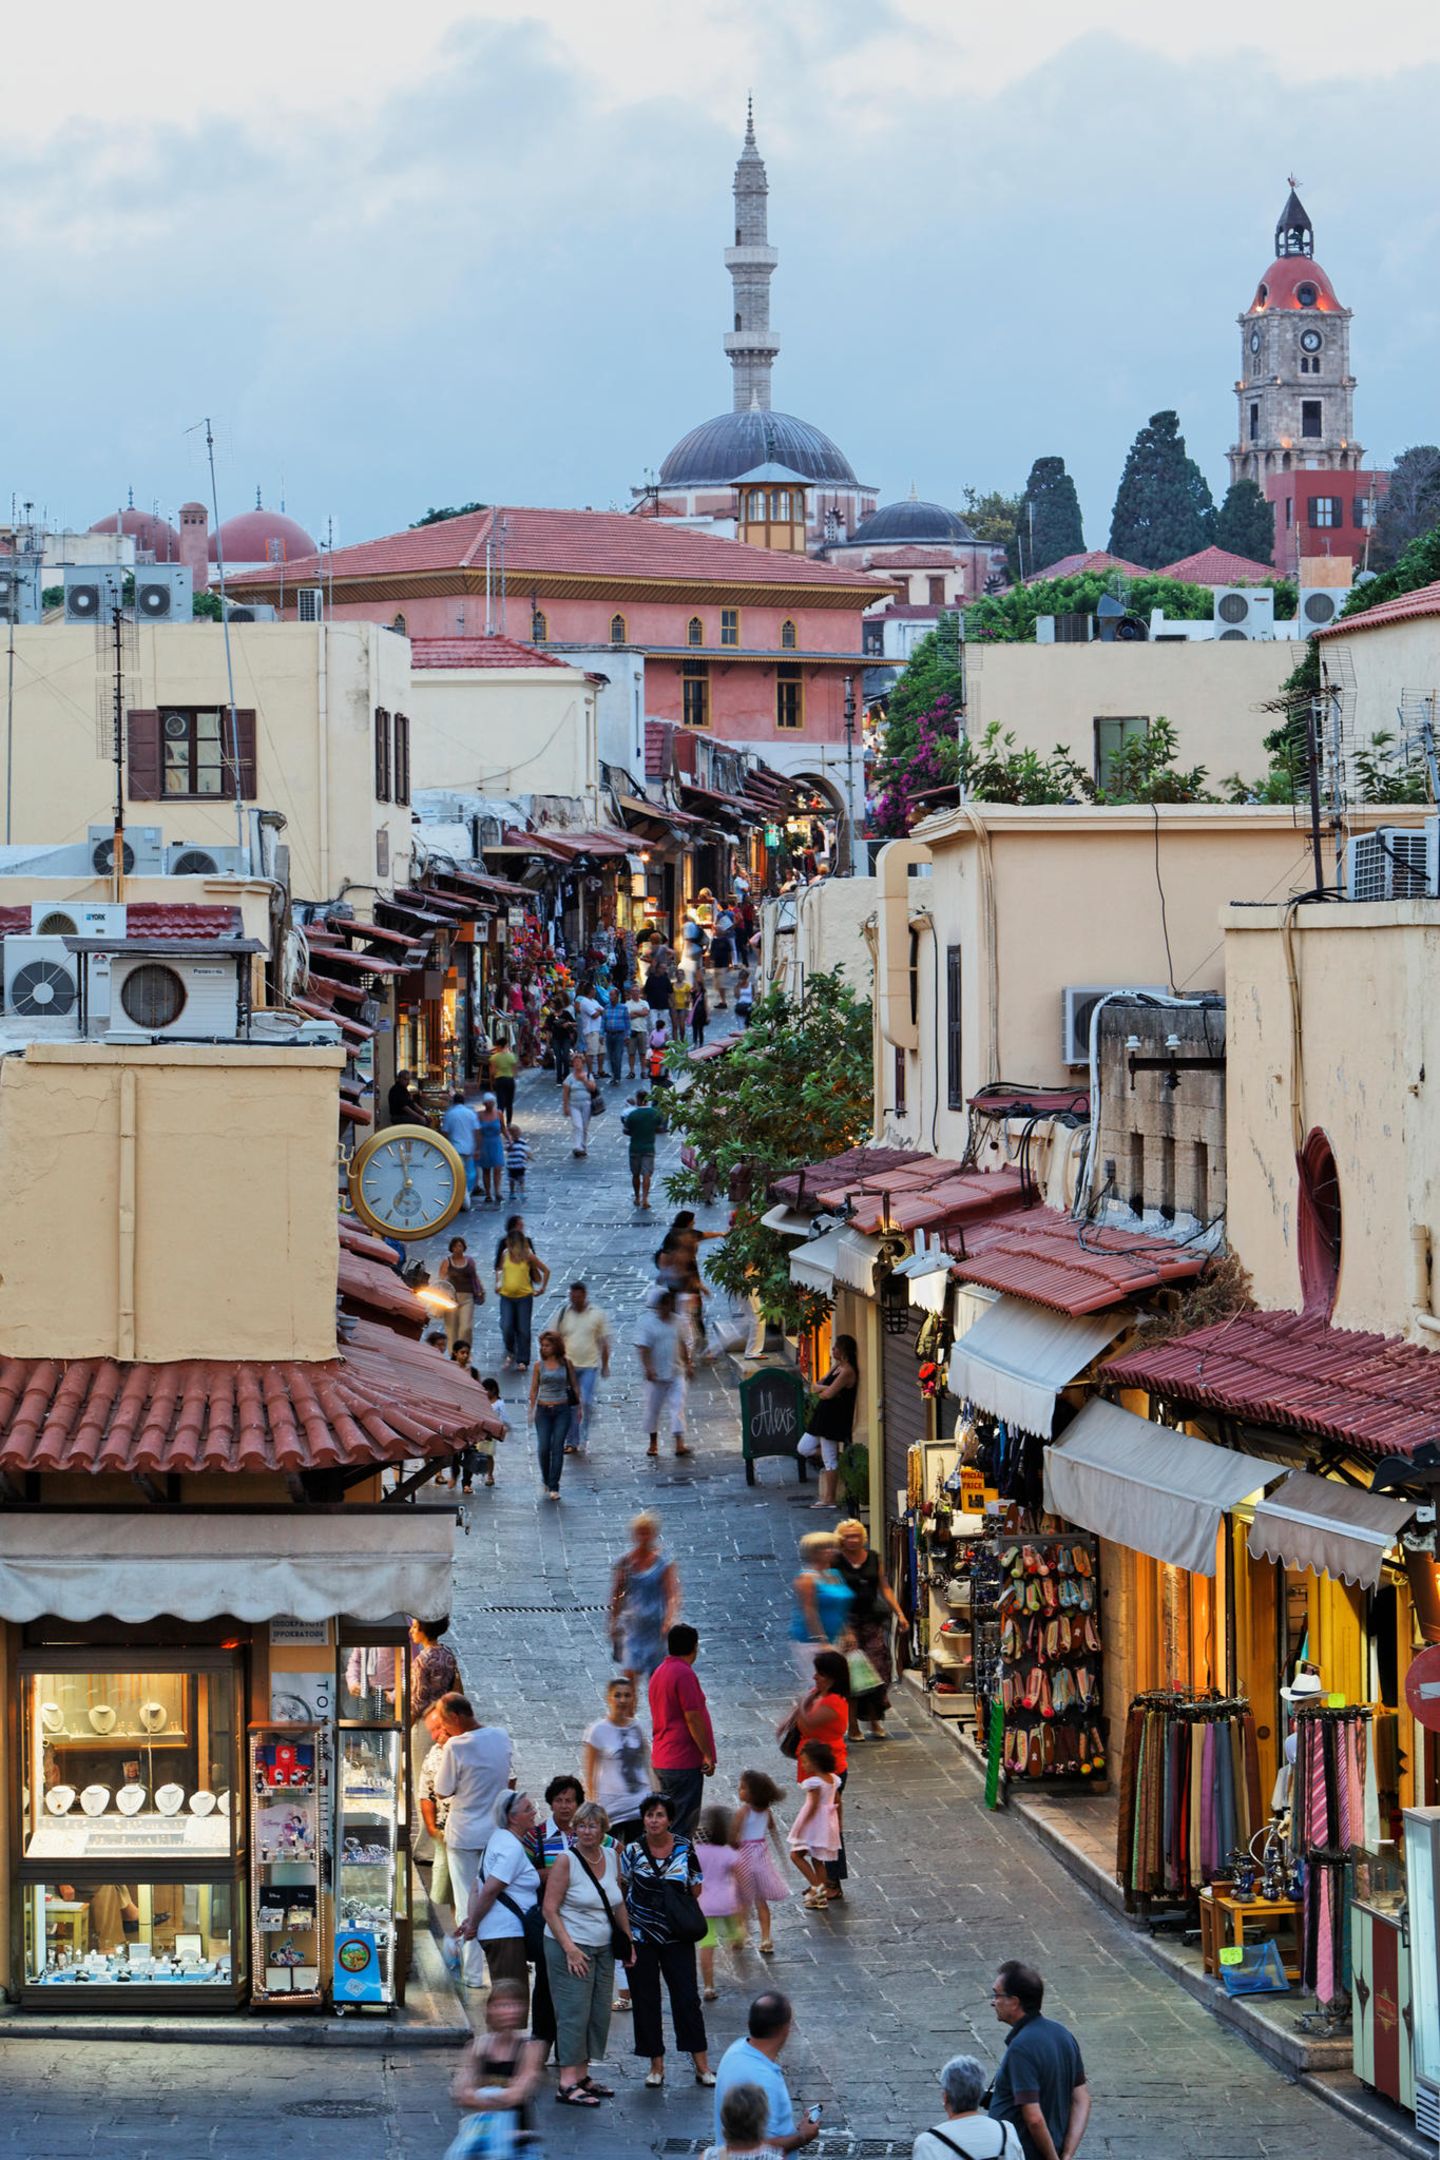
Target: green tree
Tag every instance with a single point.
(794, 1088)
(1049, 525)
(453, 510)
(1409, 506)
(1245, 523)
(991, 515)
(991, 769)
(1163, 508)
(1008, 618)
(1143, 770)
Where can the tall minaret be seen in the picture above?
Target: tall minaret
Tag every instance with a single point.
(752, 344)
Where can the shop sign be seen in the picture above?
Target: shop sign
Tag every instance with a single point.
(286, 1632)
(772, 1415)
(303, 1698)
(1422, 1688)
(772, 836)
(357, 1967)
(972, 1491)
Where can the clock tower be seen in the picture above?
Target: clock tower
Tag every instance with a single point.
(1295, 392)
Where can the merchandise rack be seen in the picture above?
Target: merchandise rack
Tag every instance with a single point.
(1038, 1652)
(287, 1918)
(369, 1864)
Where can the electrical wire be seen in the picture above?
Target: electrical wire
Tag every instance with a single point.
(1164, 916)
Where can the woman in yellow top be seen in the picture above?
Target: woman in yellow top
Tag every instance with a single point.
(519, 1273)
(504, 1064)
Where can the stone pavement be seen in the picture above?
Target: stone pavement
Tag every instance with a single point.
(885, 1987)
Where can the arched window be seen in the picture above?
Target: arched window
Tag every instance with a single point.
(695, 631)
(617, 630)
(398, 626)
(1318, 1226)
(539, 628)
(787, 635)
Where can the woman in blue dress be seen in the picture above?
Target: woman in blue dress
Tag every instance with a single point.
(644, 1600)
(822, 1602)
(490, 1148)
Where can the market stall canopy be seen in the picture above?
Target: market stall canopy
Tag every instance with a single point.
(799, 1188)
(1333, 1529)
(1018, 1356)
(297, 1562)
(1145, 1487)
(813, 1265)
(928, 1277)
(1076, 1267)
(1379, 1395)
(855, 1258)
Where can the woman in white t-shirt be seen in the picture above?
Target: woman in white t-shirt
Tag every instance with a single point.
(507, 1887)
(617, 1762)
(584, 1908)
(637, 1005)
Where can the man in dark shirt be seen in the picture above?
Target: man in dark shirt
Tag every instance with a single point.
(1040, 2086)
(401, 1103)
(641, 1123)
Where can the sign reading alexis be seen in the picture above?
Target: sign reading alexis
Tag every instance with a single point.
(357, 1967)
(772, 1416)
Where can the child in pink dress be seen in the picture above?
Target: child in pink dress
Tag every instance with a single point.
(757, 1878)
(717, 1852)
(815, 1832)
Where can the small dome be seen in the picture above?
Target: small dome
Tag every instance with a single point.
(1295, 281)
(902, 524)
(718, 451)
(259, 536)
(152, 535)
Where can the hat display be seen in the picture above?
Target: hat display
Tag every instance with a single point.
(1305, 1687)
(102, 1718)
(153, 1716)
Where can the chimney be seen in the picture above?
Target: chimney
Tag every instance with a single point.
(195, 542)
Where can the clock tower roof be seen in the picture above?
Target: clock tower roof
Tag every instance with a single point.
(1295, 282)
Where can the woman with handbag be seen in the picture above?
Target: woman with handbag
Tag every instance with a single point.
(832, 1421)
(554, 1399)
(498, 2080)
(578, 1103)
(587, 1932)
(519, 1273)
(874, 1604)
(507, 1890)
(661, 1879)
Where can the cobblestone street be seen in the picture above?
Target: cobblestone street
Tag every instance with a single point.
(885, 1987)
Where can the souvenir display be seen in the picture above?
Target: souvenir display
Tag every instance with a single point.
(1189, 1792)
(1334, 1815)
(95, 1799)
(369, 1865)
(1039, 1655)
(285, 1861)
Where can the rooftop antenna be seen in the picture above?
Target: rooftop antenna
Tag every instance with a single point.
(503, 534)
(234, 718)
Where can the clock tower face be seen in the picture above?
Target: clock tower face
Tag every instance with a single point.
(407, 1182)
(1254, 341)
(1310, 341)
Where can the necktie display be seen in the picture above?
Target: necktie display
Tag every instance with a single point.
(1189, 1792)
(1332, 1796)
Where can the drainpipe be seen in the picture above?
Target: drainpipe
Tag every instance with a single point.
(322, 748)
(125, 1223)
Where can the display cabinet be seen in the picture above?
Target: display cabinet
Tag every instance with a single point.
(287, 1846)
(1422, 1883)
(369, 1865)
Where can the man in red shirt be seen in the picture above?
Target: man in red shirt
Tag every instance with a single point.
(682, 1743)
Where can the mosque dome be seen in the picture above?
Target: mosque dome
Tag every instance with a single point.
(259, 536)
(152, 534)
(720, 450)
(911, 524)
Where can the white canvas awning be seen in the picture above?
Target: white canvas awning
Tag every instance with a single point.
(1146, 1487)
(855, 1261)
(813, 1265)
(788, 1221)
(1333, 1529)
(1018, 1356)
(131, 1566)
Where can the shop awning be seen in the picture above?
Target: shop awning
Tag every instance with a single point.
(136, 1566)
(1146, 1487)
(928, 1276)
(813, 1265)
(1333, 1529)
(789, 1222)
(855, 1261)
(1018, 1356)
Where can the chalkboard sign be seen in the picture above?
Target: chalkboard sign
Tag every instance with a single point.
(772, 1416)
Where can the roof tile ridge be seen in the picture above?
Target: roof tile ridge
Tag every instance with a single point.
(482, 533)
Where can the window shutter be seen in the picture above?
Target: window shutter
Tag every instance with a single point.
(402, 757)
(242, 739)
(382, 754)
(142, 755)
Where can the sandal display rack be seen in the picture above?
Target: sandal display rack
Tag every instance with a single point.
(1038, 1653)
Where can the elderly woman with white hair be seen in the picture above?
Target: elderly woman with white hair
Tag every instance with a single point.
(967, 2130)
(744, 2115)
(506, 1889)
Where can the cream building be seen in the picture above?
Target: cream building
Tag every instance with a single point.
(324, 741)
(499, 719)
(1383, 668)
(821, 929)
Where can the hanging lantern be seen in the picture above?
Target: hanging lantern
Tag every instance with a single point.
(895, 1304)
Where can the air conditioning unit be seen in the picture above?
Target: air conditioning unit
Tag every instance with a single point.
(75, 918)
(42, 981)
(253, 611)
(310, 603)
(19, 588)
(195, 998)
(1244, 611)
(1320, 605)
(1078, 1002)
(164, 592)
(144, 850)
(186, 859)
(1397, 862)
(93, 595)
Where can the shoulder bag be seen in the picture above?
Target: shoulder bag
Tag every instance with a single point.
(532, 1923)
(949, 2142)
(619, 1940)
(683, 1918)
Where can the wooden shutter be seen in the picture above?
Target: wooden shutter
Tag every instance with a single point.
(241, 736)
(402, 757)
(382, 754)
(954, 1037)
(142, 755)
(905, 1412)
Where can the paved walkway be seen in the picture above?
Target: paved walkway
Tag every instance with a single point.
(885, 1988)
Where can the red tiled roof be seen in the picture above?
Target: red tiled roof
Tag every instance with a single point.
(381, 1400)
(1217, 566)
(492, 651)
(855, 1166)
(589, 842)
(1092, 559)
(658, 737)
(354, 1239)
(372, 1290)
(146, 919)
(957, 1199)
(575, 543)
(1373, 1392)
(1425, 600)
(1041, 1256)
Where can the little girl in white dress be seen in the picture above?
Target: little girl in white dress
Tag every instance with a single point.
(815, 1832)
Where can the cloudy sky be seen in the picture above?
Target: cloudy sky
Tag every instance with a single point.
(473, 249)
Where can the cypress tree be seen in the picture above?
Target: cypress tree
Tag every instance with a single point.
(1048, 526)
(1163, 508)
(1246, 523)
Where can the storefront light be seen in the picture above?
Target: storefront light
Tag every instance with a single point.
(436, 1300)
